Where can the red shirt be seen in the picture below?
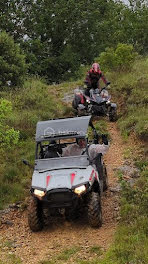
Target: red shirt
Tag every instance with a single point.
(92, 78)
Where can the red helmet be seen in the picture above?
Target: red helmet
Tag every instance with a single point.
(95, 67)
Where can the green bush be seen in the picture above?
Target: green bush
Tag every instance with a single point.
(12, 62)
(120, 58)
(125, 56)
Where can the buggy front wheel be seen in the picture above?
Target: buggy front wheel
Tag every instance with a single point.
(94, 211)
(35, 216)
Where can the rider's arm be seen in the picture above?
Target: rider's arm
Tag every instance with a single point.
(94, 149)
(103, 78)
(87, 79)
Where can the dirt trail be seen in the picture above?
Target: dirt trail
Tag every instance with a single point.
(34, 247)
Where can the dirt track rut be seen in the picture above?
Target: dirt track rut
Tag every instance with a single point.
(34, 247)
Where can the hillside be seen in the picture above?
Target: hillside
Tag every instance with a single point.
(39, 101)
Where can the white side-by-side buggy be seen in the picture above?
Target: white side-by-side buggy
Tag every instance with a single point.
(65, 183)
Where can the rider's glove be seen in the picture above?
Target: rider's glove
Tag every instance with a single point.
(108, 83)
(104, 139)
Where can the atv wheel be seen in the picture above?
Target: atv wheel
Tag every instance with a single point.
(35, 220)
(105, 178)
(113, 115)
(94, 210)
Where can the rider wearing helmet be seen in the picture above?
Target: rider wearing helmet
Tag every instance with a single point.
(79, 148)
(76, 148)
(93, 76)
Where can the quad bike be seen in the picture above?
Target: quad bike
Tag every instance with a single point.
(97, 103)
(64, 183)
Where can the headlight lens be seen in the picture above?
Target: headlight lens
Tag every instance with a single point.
(39, 193)
(79, 190)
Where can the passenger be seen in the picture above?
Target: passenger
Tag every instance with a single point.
(51, 151)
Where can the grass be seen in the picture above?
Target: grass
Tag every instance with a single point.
(131, 240)
(96, 249)
(64, 256)
(11, 259)
(130, 90)
(73, 254)
(6, 255)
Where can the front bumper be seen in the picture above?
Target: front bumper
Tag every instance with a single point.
(60, 198)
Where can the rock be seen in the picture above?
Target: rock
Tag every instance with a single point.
(68, 98)
(131, 182)
(115, 189)
(5, 211)
(127, 162)
(14, 206)
(116, 208)
(7, 222)
(129, 171)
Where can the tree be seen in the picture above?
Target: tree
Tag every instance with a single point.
(12, 62)
(47, 29)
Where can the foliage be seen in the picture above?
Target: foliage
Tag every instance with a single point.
(8, 135)
(120, 58)
(58, 36)
(12, 62)
(133, 236)
(129, 89)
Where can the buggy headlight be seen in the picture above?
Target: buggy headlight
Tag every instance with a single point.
(79, 190)
(39, 193)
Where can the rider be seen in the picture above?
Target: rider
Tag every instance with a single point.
(76, 148)
(79, 148)
(92, 78)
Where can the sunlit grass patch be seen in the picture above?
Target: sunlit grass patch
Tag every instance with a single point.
(63, 257)
(96, 250)
(135, 121)
(67, 253)
(6, 253)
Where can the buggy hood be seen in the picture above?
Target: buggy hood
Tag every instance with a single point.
(62, 128)
(66, 174)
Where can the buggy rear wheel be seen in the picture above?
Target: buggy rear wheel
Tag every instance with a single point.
(94, 210)
(35, 217)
